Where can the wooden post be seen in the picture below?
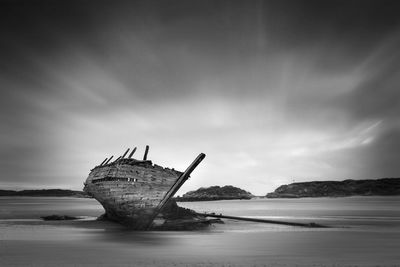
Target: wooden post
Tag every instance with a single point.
(126, 152)
(146, 152)
(179, 182)
(315, 225)
(103, 162)
(109, 160)
(133, 152)
(182, 179)
(117, 159)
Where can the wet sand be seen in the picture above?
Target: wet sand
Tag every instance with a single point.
(33, 242)
(89, 243)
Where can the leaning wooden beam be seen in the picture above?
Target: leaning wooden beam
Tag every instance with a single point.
(182, 179)
(179, 182)
(117, 159)
(133, 152)
(103, 162)
(109, 160)
(146, 152)
(312, 225)
(126, 152)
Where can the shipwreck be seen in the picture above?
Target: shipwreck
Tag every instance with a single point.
(134, 192)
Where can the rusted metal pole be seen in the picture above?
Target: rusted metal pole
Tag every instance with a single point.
(126, 152)
(109, 160)
(133, 152)
(103, 162)
(146, 152)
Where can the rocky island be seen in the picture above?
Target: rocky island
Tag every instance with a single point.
(379, 187)
(227, 192)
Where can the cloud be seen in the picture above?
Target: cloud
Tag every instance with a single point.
(377, 95)
(270, 91)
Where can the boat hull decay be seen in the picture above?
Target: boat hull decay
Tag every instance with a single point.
(133, 191)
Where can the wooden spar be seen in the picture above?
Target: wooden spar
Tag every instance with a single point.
(133, 152)
(103, 162)
(146, 152)
(179, 182)
(109, 160)
(315, 225)
(126, 152)
(117, 159)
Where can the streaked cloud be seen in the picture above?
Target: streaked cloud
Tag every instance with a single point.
(271, 91)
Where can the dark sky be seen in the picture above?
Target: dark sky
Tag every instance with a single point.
(272, 91)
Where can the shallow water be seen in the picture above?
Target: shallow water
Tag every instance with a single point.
(365, 232)
(347, 211)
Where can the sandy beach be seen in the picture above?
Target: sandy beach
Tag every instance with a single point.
(33, 242)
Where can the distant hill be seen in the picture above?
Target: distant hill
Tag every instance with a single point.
(215, 193)
(379, 187)
(44, 193)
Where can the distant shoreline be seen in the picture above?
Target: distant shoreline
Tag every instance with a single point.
(346, 188)
(183, 199)
(44, 193)
(314, 189)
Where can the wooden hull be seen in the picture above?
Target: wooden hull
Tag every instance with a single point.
(130, 191)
